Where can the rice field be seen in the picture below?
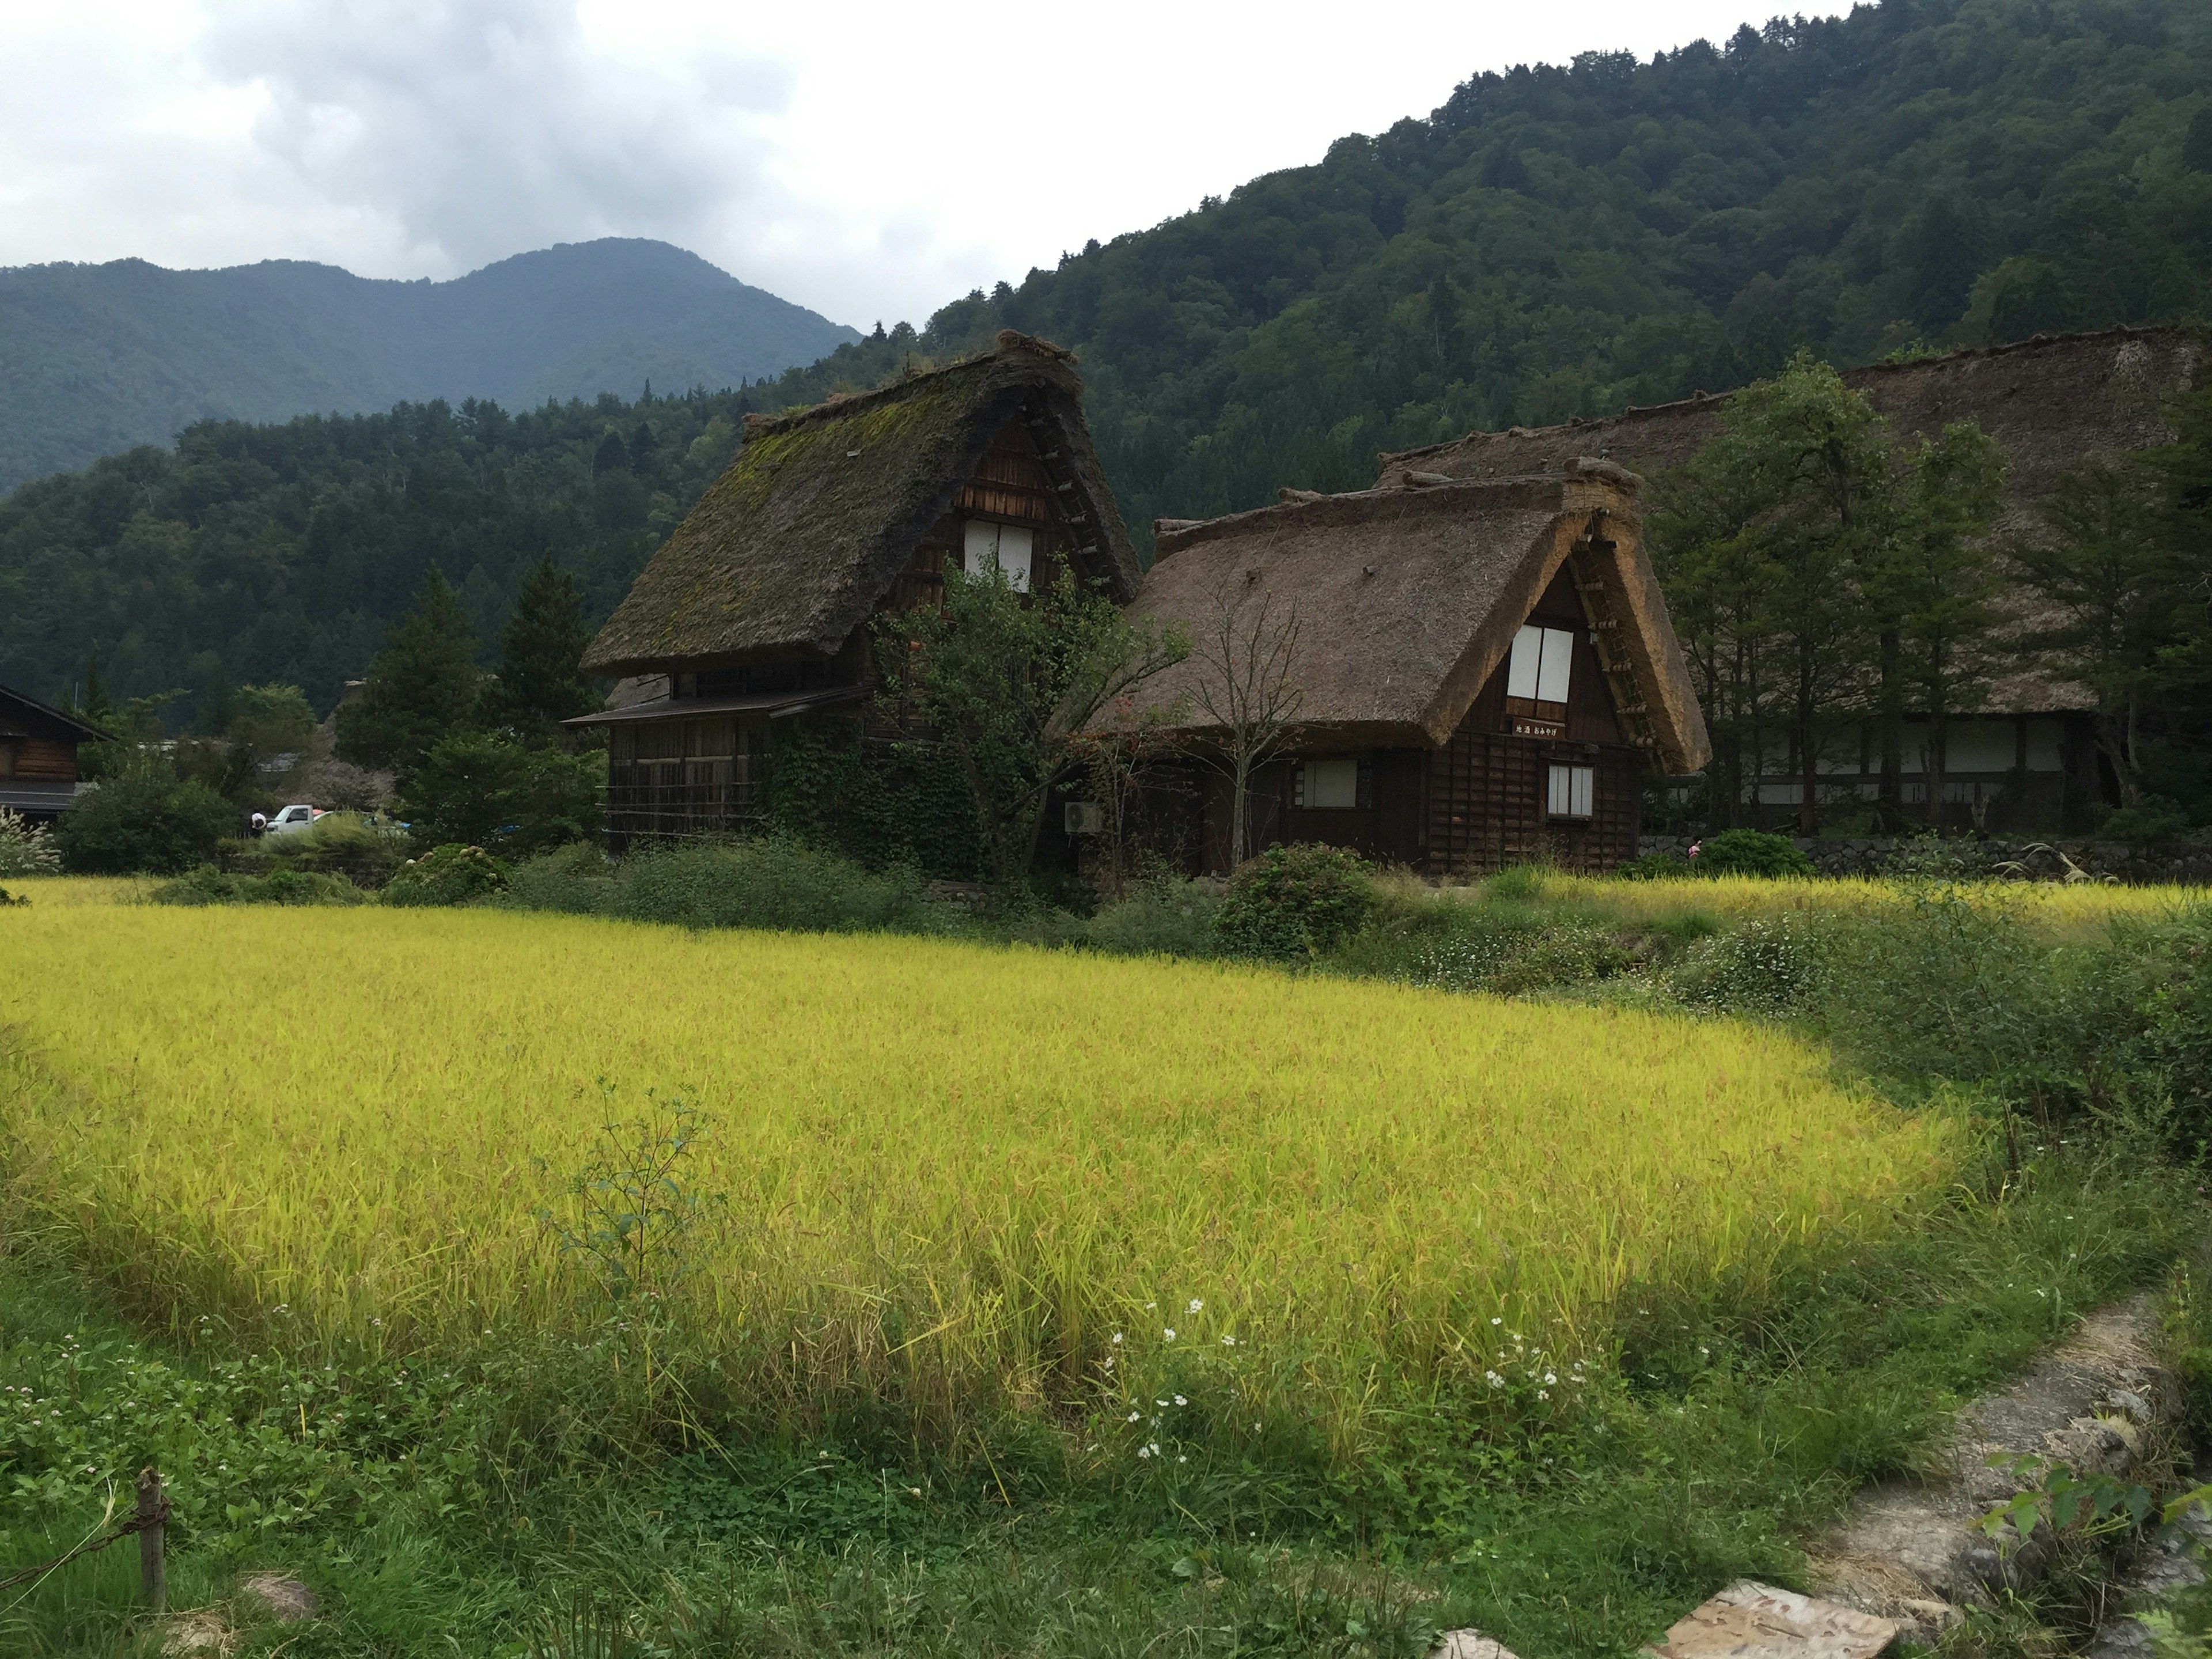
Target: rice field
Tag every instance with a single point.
(954, 1177)
(2052, 909)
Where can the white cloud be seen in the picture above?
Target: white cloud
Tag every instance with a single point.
(872, 160)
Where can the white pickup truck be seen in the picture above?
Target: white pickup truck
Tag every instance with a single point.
(293, 820)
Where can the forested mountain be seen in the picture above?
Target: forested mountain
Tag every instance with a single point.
(94, 359)
(1564, 241)
(248, 553)
(1553, 242)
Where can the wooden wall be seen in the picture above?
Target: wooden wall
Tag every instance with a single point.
(38, 757)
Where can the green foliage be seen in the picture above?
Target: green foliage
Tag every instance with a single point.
(1293, 903)
(578, 878)
(490, 790)
(1748, 853)
(1766, 967)
(541, 677)
(770, 882)
(422, 686)
(632, 1209)
(1004, 683)
(1167, 918)
(877, 802)
(208, 885)
(1821, 572)
(452, 874)
(143, 819)
(26, 848)
(365, 851)
(286, 552)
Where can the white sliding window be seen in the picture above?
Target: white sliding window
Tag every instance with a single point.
(1541, 657)
(1570, 791)
(1009, 546)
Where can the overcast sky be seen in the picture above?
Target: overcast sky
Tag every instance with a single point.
(870, 160)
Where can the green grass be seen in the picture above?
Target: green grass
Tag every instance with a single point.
(1725, 1433)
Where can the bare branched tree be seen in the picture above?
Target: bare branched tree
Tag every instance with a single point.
(1246, 655)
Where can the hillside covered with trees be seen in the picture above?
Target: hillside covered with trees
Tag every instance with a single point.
(1552, 242)
(94, 359)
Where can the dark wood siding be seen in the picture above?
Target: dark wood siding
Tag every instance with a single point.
(39, 757)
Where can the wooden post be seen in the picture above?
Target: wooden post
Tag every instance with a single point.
(152, 1509)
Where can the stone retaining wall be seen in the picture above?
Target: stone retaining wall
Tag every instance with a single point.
(2126, 861)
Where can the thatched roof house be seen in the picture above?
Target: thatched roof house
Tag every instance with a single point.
(2055, 402)
(757, 608)
(38, 757)
(1482, 671)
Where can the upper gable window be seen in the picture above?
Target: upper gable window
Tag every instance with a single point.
(1540, 660)
(1009, 546)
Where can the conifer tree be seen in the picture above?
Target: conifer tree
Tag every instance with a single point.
(541, 679)
(423, 685)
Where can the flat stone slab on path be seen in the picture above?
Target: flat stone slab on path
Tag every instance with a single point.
(1748, 1620)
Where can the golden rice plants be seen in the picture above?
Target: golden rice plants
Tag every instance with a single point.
(946, 1175)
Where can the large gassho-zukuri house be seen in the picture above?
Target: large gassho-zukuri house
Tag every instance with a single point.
(756, 609)
(1484, 671)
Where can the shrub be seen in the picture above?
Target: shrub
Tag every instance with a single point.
(1748, 853)
(1165, 919)
(208, 885)
(144, 820)
(2152, 818)
(771, 882)
(26, 849)
(452, 874)
(1765, 968)
(577, 878)
(1657, 867)
(339, 844)
(483, 790)
(1292, 903)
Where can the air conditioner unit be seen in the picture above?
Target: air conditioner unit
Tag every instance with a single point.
(1084, 817)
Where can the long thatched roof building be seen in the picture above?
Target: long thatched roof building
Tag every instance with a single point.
(756, 609)
(1479, 672)
(2054, 403)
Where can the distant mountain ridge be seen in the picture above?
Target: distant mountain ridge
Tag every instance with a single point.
(96, 359)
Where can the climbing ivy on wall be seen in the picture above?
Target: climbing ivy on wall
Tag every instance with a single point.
(875, 800)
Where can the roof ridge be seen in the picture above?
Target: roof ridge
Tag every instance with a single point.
(1182, 532)
(2034, 342)
(1011, 344)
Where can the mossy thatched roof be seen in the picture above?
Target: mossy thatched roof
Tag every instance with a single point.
(791, 549)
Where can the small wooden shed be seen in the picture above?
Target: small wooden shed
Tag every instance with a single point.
(1483, 672)
(755, 610)
(38, 757)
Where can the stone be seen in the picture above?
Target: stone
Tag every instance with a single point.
(1749, 1620)
(200, 1631)
(285, 1600)
(1469, 1643)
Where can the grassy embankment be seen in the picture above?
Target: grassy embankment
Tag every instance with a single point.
(934, 1182)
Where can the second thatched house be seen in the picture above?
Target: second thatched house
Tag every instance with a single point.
(2028, 758)
(1469, 675)
(756, 609)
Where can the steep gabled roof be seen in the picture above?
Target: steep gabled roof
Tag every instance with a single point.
(20, 716)
(2055, 402)
(793, 546)
(1408, 597)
